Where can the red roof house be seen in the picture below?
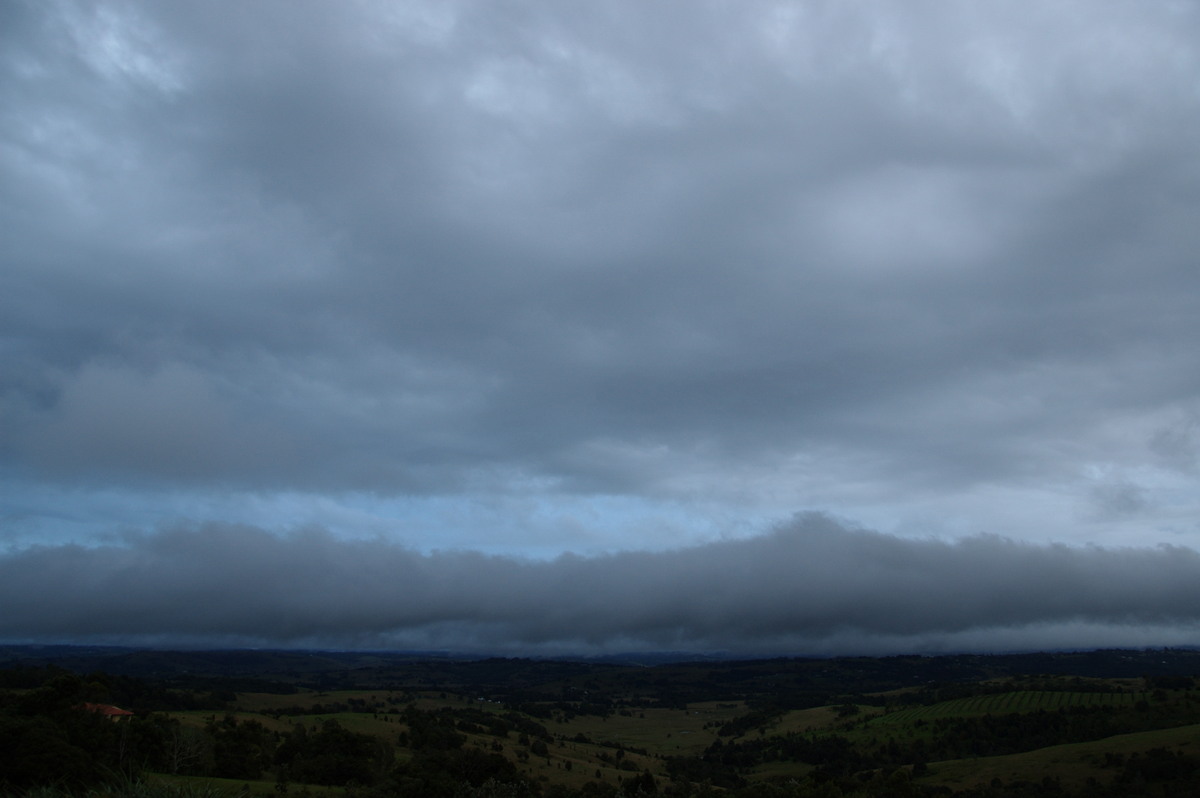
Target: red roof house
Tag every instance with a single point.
(108, 710)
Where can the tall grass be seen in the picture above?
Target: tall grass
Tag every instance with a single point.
(131, 789)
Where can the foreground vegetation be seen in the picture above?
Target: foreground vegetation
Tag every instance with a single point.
(1100, 724)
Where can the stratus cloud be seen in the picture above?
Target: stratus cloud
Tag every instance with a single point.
(809, 586)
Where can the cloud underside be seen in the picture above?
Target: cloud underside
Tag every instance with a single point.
(812, 586)
(631, 251)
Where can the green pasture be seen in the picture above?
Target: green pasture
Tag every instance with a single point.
(1072, 763)
(428, 701)
(659, 731)
(198, 718)
(1014, 703)
(671, 732)
(381, 726)
(358, 722)
(828, 718)
(688, 732)
(267, 702)
(575, 764)
(566, 761)
(780, 770)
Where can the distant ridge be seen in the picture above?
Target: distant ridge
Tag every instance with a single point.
(311, 666)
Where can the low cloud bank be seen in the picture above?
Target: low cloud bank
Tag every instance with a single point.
(810, 586)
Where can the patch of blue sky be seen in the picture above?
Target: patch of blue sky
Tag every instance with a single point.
(534, 526)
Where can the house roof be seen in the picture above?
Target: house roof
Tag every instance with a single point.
(107, 709)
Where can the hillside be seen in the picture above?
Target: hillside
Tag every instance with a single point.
(1081, 723)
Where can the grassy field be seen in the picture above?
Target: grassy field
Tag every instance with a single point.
(365, 700)
(1006, 704)
(820, 719)
(1072, 764)
(200, 718)
(672, 732)
(444, 722)
(590, 747)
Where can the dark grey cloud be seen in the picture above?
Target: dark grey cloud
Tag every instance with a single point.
(801, 588)
(928, 266)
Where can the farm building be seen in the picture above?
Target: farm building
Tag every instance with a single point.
(108, 710)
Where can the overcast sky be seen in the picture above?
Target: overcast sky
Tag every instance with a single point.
(512, 325)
